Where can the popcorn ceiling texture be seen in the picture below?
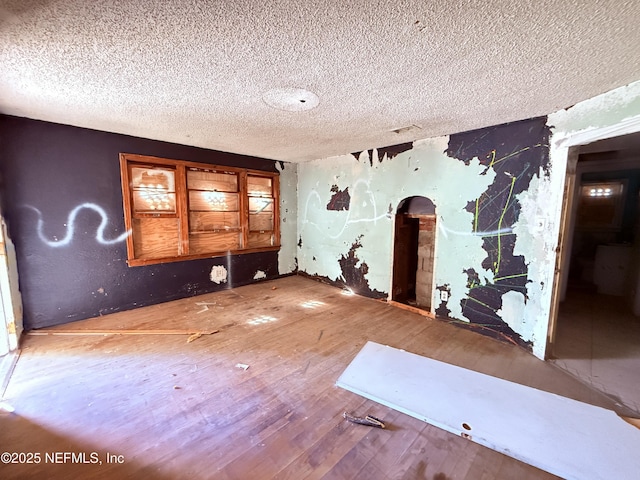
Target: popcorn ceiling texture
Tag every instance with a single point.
(195, 72)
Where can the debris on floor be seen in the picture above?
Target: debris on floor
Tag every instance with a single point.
(205, 306)
(243, 366)
(197, 335)
(193, 337)
(369, 420)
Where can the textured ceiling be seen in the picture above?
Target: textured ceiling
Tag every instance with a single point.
(205, 73)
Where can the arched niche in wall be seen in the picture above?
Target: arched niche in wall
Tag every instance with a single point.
(413, 252)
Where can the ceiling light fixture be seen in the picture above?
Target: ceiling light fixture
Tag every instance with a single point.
(291, 99)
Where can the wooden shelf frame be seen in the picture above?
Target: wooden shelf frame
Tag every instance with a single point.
(166, 241)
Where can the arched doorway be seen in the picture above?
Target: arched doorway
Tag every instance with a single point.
(413, 252)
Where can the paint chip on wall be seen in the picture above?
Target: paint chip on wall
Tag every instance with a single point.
(340, 200)
(218, 274)
(259, 275)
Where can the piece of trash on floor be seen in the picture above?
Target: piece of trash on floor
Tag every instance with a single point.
(243, 366)
(369, 420)
(193, 337)
(204, 305)
(274, 288)
(176, 387)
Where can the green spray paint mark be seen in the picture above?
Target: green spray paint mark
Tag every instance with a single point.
(479, 302)
(513, 154)
(497, 279)
(475, 220)
(504, 210)
(493, 158)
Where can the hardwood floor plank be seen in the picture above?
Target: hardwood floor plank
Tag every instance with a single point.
(184, 410)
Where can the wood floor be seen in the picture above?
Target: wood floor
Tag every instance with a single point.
(169, 409)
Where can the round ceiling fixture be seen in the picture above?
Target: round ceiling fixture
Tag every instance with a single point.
(291, 99)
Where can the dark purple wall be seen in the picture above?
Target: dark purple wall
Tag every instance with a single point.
(48, 170)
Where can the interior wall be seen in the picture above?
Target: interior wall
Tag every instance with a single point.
(477, 180)
(611, 114)
(63, 206)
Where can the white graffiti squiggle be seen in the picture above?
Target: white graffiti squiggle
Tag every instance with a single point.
(492, 233)
(71, 226)
(348, 220)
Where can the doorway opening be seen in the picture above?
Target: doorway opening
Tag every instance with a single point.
(595, 328)
(413, 252)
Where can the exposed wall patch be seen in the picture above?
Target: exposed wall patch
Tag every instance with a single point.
(393, 150)
(259, 275)
(353, 274)
(218, 274)
(340, 200)
(517, 153)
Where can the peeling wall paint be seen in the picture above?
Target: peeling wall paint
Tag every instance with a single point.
(610, 108)
(354, 271)
(218, 274)
(498, 193)
(474, 179)
(259, 275)
(376, 189)
(287, 256)
(517, 153)
(340, 200)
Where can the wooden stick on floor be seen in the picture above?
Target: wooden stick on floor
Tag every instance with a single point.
(44, 331)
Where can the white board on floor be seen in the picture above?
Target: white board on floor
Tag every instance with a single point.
(571, 439)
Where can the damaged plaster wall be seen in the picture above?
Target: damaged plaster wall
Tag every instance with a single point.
(498, 194)
(474, 179)
(362, 236)
(287, 256)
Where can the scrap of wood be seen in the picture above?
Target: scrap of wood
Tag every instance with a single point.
(193, 337)
(205, 306)
(72, 331)
(410, 308)
(369, 420)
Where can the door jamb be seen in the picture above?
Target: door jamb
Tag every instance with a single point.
(571, 145)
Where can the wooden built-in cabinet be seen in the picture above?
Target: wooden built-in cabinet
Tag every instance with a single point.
(180, 210)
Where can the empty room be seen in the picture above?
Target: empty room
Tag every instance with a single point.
(319, 239)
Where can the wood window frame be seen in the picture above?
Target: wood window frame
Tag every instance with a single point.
(168, 251)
